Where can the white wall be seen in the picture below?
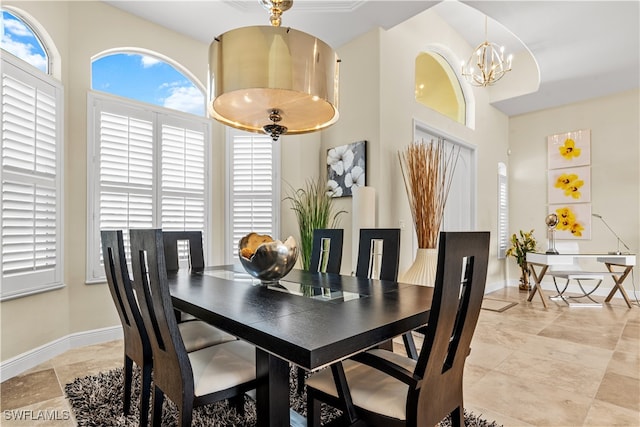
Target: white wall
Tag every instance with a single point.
(615, 169)
(378, 105)
(80, 31)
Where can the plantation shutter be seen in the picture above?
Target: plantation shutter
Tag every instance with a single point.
(503, 211)
(151, 172)
(31, 191)
(253, 198)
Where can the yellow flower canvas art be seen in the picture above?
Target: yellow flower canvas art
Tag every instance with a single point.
(569, 149)
(574, 220)
(569, 185)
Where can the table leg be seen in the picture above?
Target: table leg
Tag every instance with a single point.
(272, 393)
(618, 283)
(537, 277)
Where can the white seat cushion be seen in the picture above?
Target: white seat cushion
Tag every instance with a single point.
(370, 388)
(198, 334)
(222, 366)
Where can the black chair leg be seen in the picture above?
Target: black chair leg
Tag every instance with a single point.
(145, 394)
(313, 411)
(156, 414)
(186, 413)
(238, 403)
(457, 417)
(126, 399)
(301, 378)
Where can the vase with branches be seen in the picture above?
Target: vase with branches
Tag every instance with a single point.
(427, 170)
(521, 244)
(314, 208)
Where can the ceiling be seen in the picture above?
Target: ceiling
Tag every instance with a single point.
(584, 49)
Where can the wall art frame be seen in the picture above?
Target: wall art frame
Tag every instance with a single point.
(346, 168)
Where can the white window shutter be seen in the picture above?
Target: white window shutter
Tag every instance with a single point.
(150, 171)
(503, 211)
(31, 181)
(253, 198)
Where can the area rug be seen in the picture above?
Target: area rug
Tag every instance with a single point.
(497, 305)
(97, 401)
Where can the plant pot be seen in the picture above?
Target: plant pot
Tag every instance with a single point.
(423, 269)
(525, 282)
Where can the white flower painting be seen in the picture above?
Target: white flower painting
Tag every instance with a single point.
(346, 168)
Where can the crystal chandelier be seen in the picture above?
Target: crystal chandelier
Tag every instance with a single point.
(486, 65)
(272, 79)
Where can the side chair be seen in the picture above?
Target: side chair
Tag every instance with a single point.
(137, 346)
(171, 240)
(326, 257)
(326, 250)
(378, 253)
(382, 388)
(196, 253)
(222, 371)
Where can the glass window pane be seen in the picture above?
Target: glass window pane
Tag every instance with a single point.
(20, 40)
(146, 79)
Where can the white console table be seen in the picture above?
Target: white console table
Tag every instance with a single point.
(619, 267)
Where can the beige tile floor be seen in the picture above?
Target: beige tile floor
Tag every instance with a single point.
(528, 366)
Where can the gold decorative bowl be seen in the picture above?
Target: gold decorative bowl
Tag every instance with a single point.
(270, 261)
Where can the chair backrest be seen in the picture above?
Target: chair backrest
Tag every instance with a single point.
(378, 253)
(196, 253)
(172, 370)
(459, 288)
(136, 340)
(326, 250)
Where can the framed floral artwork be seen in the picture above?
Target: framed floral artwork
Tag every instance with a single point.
(569, 149)
(346, 168)
(569, 185)
(574, 221)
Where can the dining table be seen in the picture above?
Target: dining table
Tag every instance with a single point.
(311, 320)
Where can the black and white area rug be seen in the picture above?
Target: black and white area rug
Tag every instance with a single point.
(97, 401)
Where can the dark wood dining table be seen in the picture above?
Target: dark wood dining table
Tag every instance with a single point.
(309, 319)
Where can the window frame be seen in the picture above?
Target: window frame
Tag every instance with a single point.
(35, 282)
(229, 254)
(159, 116)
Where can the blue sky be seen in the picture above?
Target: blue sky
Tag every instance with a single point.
(130, 75)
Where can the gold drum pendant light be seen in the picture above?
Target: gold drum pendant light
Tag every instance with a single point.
(272, 79)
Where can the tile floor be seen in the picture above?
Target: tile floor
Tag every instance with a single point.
(528, 366)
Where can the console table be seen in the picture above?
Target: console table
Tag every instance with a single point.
(618, 266)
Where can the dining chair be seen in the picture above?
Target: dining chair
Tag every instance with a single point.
(379, 387)
(326, 257)
(196, 253)
(172, 240)
(326, 250)
(378, 253)
(137, 346)
(222, 371)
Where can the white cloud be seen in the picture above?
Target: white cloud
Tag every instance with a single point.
(149, 61)
(16, 27)
(24, 51)
(188, 99)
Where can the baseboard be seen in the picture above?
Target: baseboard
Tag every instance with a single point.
(32, 358)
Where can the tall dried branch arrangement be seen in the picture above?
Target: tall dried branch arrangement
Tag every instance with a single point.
(427, 171)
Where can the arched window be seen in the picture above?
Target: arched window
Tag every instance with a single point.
(19, 39)
(148, 79)
(437, 87)
(149, 166)
(31, 149)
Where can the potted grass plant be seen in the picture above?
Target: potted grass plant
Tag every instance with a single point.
(314, 209)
